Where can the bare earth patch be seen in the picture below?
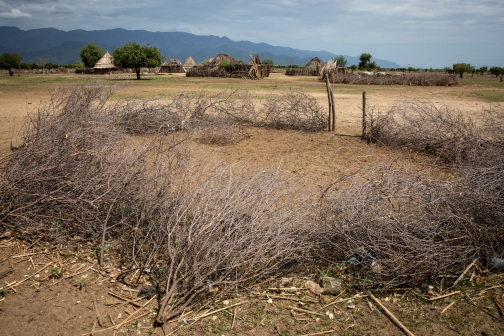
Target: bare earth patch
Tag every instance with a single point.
(46, 290)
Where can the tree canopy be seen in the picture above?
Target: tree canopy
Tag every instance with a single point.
(364, 61)
(135, 56)
(9, 61)
(460, 68)
(90, 54)
(340, 61)
(268, 62)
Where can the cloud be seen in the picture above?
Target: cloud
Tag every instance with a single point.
(333, 25)
(14, 14)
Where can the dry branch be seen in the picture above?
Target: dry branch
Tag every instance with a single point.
(390, 315)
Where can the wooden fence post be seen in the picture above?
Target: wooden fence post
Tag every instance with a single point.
(331, 121)
(364, 115)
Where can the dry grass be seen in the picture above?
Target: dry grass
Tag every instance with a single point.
(422, 79)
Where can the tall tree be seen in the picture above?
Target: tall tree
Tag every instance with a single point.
(9, 61)
(364, 60)
(135, 56)
(90, 54)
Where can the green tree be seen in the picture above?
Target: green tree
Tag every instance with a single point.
(482, 70)
(340, 61)
(353, 67)
(90, 54)
(79, 65)
(364, 60)
(460, 68)
(205, 61)
(268, 62)
(135, 56)
(497, 71)
(9, 61)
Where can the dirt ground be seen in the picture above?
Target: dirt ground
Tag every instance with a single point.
(45, 290)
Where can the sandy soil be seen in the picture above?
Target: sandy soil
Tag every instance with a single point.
(47, 305)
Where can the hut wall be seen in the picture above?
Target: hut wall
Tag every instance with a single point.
(172, 69)
(231, 71)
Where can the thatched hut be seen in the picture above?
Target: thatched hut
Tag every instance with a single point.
(172, 66)
(224, 65)
(312, 68)
(189, 63)
(104, 65)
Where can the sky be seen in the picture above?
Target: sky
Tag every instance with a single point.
(417, 33)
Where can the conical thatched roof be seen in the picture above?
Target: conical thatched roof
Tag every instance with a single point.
(105, 62)
(314, 65)
(172, 66)
(215, 62)
(189, 62)
(172, 62)
(311, 68)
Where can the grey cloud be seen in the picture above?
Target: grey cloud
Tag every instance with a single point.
(14, 14)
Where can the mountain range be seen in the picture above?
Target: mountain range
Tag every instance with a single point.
(63, 47)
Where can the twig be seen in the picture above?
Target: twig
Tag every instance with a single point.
(10, 286)
(464, 273)
(129, 318)
(356, 296)
(287, 289)
(97, 314)
(93, 329)
(26, 255)
(448, 307)
(130, 301)
(305, 311)
(278, 297)
(499, 305)
(234, 318)
(482, 309)
(390, 315)
(38, 271)
(336, 298)
(319, 333)
(442, 296)
(218, 310)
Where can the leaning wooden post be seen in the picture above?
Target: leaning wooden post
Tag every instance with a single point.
(364, 115)
(333, 110)
(331, 122)
(329, 119)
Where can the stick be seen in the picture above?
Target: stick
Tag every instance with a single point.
(129, 318)
(442, 296)
(9, 285)
(448, 307)
(97, 314)
(364, 116)
(93, 329)
(464, 273)
(27, 255)
(390, 315)
(281, 297)
(305, 311)
(319, 333)
(218, 310)
(132, 302)
(234, 318)
(20, 282)
(499, 305)
(287, 289)
(336, 298)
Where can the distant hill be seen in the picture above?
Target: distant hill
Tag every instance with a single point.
(61, 47)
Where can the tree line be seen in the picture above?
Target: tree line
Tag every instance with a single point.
(135, 56)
